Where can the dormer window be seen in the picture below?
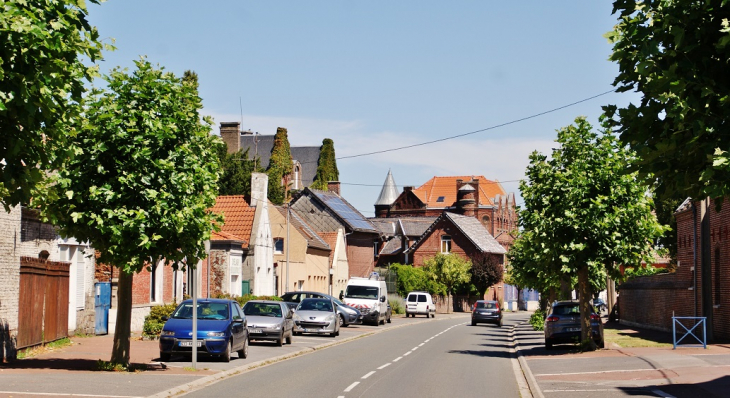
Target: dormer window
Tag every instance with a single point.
(440, 199)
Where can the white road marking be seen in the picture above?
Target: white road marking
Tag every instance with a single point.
(421, 345)
(397, 359)
(414, 349)
(407, 353)
(56, 394)
(353, 385)
(368, 375)
(384, 366)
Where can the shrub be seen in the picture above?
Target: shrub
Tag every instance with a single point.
(396, 304)
(247, 297)
(537, 320)
(153, 322)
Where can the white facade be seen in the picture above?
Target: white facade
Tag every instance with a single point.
(261, 246)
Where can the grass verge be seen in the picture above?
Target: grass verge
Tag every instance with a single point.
(42, 349)
(631, 338)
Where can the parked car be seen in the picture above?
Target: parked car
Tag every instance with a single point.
(600, 305)
(316, 315)
(348, 315)
(420, 303)
(221, 330)
(562, 325)
(486, 311)
(269, 320)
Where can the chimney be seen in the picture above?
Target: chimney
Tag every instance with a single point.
(231, 135)
(407, 189)
(334, 186)
(259, 186)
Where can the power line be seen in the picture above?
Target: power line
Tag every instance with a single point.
(478, 131)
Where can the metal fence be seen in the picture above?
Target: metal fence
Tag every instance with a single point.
(700, 320)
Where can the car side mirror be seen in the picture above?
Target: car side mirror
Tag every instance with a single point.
(164, 318)
(382, 299)
(237, 320)
(342, 295)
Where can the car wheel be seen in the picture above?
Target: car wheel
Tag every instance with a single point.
(243, 352)
(548, 344)
(388, 320)
(342, 320)
(280, 340)
(433, 315)
(473, 323)
(499, 324)
(601, 344)
(288, 339)
(226, 357)
(164, 356)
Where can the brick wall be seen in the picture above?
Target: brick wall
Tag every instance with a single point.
(360, 254)
(650, 301)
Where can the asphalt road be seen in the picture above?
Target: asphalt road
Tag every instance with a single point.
(436, 358)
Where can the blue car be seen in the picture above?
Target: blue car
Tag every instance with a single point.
(221, 330)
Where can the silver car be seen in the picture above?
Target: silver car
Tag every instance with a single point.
(563, 325)
(269, 320)
(316, 315)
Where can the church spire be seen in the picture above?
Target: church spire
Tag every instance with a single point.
(388, 195)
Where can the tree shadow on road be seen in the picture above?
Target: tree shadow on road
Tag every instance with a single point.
(716, 388)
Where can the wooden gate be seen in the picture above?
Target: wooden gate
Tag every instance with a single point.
(43, 304)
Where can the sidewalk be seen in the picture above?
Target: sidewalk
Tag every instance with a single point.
(616, 371)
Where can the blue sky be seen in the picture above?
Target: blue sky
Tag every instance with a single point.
(379, 74)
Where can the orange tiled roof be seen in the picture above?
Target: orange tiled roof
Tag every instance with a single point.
(237, 215)
(331, 239)
(225, 236)
(446, 187)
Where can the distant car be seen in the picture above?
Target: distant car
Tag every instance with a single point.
(599, 304)
(562, 325)
(420, 303)
(269, 320)
(316, 315)
(348, 315)
(486, 311)
(221, 330)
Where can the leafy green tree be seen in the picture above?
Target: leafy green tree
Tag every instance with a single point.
(450, 270)
(412, 278)
(236, 174)
(583, 216)
(675, 53)
(486, 271)
(326, 166)
(41, 86)
(142, 180)
(280, 167)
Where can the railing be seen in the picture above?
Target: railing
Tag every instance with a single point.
(677, 320)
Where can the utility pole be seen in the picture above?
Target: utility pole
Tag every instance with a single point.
(286, 246)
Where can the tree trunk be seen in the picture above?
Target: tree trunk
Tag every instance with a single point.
(584, 300)
(565, 290)
(120, 351)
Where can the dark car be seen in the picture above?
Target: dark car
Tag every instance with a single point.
(348, 315)
(599, 304)
(269, 320)
(562, 324)
(221, 330)
(486, 311)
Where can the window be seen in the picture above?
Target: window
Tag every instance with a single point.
(445, 244)
(440, 199)
(278, 246)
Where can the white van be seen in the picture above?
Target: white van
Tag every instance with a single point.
(370, 296)
(420, 303)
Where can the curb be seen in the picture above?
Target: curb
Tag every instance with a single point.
(531, 381)
(207, 380)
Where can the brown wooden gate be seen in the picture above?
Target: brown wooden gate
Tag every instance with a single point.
(43, 304)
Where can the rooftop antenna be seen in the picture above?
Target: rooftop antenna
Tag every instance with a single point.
(240, 105)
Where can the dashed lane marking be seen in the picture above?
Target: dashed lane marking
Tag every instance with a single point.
(368, 375)
(353, 385)
(397, 359)
(384, 366)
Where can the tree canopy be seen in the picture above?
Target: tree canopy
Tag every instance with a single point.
(326, 166)
(486, 271)
(450, 270)
(41, 86)
(280, 167)
(236, 169)
(142, 179)
(583, 216)
(675, 53)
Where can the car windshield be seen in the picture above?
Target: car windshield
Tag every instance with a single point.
(216, 311)
(262, 309)
(365, 292)
(315, 305)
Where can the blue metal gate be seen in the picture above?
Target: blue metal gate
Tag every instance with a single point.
(102, 303)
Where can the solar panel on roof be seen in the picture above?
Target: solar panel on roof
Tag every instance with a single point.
(350, 216)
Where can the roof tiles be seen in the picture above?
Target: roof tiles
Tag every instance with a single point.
(237, 215)
(436, 187)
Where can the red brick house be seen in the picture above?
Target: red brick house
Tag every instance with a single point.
(700, 286)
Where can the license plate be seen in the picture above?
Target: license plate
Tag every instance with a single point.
(255, 331)
(190, 344)
(573, 329)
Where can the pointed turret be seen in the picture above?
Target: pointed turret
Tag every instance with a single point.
(388, 195)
